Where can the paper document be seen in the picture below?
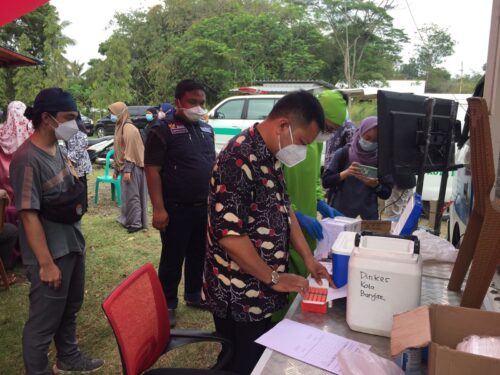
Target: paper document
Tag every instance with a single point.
(328, 266)
(308, 344)
(332, 293)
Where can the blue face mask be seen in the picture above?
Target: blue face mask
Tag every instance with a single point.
(149, 117)
(367, 145)
(113, 118)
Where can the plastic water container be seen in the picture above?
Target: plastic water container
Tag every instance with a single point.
(341, 252)
(385, 278)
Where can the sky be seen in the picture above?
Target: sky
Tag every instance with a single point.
(467, 21)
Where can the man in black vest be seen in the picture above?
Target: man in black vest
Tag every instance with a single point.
(178, 159)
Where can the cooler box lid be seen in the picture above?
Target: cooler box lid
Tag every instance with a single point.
(344, 244)
(369, 244)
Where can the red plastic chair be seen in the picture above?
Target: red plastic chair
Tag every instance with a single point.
(138, 314)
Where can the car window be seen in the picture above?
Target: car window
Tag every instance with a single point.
(137, 111)
(258, 109)
(230, 110)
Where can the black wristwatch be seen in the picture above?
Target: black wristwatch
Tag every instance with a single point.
(275, 279)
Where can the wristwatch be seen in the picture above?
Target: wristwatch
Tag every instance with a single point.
(275, 279)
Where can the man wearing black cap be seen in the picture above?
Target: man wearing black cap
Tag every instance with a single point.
(49, 201)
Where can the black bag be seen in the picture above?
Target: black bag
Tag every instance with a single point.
(68, 207)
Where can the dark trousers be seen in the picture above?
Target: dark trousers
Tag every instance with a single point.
(243, 334)
(8, 239)
(86, 199)
(52, 315)
(185, 237)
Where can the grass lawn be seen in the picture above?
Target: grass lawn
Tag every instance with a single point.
(112, 254)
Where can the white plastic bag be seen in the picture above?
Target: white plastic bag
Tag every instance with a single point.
(487, 346)
(365, 362)
(433, 247)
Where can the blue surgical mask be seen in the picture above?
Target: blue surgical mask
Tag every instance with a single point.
(113, 118)
(149, 117)
(367, 145)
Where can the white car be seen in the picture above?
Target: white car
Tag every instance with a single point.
(236, 113)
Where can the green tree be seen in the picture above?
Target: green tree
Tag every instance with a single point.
(434, 45)
(358, 28)
(109, 79)
(27, 81)
(240, 48)
(39, 34)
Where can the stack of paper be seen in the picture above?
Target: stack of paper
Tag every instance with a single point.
(308, 344)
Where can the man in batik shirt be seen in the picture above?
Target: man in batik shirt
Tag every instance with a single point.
(251, 225)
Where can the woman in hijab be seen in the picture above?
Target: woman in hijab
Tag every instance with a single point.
(354, 192)
(13, 133)
(129, 163)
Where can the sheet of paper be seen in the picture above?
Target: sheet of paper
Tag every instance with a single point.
(308, 344)
(332, 293)
(328, 266)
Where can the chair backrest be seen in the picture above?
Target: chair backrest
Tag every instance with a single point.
(482, 166)
(109, 154)
(138, 314)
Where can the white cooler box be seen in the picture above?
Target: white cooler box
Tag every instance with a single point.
(385, 278)
(331, 230)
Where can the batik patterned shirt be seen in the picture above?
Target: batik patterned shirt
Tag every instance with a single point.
(247, 197)
(76, 151)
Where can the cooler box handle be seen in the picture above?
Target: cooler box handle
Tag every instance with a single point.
(416, 242)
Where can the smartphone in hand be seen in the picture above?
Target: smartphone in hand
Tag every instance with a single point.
(368, 171)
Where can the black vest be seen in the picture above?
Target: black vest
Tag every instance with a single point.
(189, 158)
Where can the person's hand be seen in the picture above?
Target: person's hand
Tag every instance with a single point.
(311, 225)
(126, 176)
(326, 210)
(51, 274)
(318, 271)
(292, 283)
(160, 219)
(353, 170)
(4, 195)
(368, 181)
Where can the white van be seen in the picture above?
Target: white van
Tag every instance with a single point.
(236, 113)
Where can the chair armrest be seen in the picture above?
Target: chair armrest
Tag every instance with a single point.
(183, 337)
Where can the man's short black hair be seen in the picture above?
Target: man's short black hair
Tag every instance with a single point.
(186, 86)
(302, 106)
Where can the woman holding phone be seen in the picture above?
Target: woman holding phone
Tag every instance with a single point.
(352, 176)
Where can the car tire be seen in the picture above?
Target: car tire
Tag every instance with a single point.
(100, 132)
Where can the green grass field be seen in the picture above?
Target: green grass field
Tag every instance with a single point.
(112, 254)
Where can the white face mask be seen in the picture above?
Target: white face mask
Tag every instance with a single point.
(292, 154)
(161, 115)
(66, 130)
(323, 137)
(194, 113)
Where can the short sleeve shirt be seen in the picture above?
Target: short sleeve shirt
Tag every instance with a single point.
(36, 175)
(247, 197)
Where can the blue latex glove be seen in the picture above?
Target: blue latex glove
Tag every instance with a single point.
(326, 210)
(310, 225)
